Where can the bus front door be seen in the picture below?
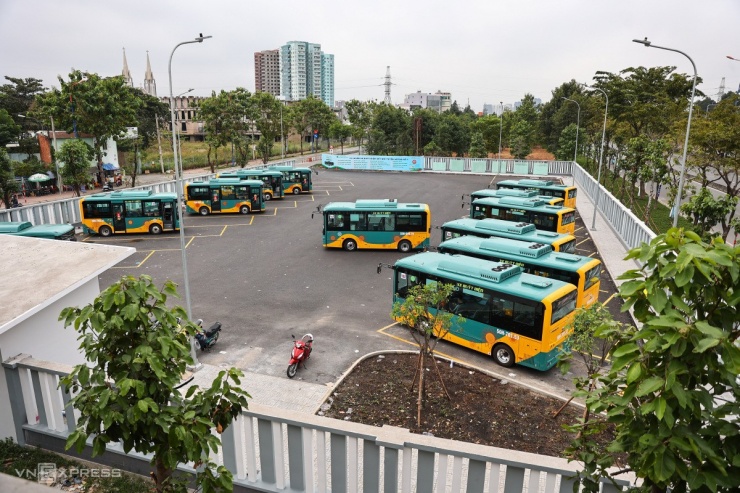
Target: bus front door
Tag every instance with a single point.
(216, 200)
(119, 220)
(168, 219)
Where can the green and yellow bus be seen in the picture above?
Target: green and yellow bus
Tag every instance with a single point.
(383, 224)
(543, 187)
(129, 211)
(518, 209)
(295, 180)
(535, 258)
(497, 309)
(272, 181)
(221, 195)
(505, 192)
(489, 228)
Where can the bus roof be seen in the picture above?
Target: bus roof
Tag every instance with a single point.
(528, 182)
(499, 226)
(535, 204)
(227, 181)
(386, 204)
(249, 172)
(130, 195)
(484, 273)
(536, 253)
(287, 168)
(494, 225)
(513, 192)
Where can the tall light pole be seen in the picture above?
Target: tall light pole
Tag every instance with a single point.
(601, 157)
(179, 191)
(578, 126)
(500, 129)
(282, 135)
(677, 205)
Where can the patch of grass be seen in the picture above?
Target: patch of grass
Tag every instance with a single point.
(23, 462)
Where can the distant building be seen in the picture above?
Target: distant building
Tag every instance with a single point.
(487, 109)
(439, 101)
(186, 117)
(306, 71)
(267, 72)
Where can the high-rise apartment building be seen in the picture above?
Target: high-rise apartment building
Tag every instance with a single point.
(267, 72)
(306, 70)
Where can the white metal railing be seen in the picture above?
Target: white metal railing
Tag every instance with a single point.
(276, 450)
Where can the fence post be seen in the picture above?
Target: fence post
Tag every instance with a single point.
(15, 391)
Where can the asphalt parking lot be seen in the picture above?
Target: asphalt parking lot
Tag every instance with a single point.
(267, 276)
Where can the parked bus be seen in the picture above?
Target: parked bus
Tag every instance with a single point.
(497, 309)
(384, 224)
(137, 211)
(224, 195)
(295, 180)
(535, 258)
(543, 187)
(545, 217)
(272, 181)
(489, 228)
(506, 192)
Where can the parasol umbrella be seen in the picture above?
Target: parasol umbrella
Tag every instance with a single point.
(38, 177)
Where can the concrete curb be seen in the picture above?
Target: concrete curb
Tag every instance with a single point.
(442, 358)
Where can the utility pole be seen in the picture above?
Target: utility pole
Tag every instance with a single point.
(387, 85)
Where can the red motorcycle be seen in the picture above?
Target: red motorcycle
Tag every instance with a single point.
(300, 353)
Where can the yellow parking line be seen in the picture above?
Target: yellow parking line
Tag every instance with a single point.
(223, 231)
(584, 241)
(411, 343)
(609, 299)
(145, 259)
(191, 240)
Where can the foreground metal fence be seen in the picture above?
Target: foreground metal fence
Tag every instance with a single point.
(271, 450)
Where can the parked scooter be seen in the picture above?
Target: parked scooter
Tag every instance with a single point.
(300, 353)
(205, 339)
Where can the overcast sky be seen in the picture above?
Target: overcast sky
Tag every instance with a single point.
(482, 51)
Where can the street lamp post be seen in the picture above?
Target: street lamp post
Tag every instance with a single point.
(178, 175)
(500, 128)
(282, 135)
(677, 204)
(578, 126)
(601, 158)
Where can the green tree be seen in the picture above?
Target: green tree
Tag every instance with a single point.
(567, 143)
(707, 212)
(360, 114)
(394, 124)
(136, 351)
(214, 112)
(521, 139)
(265, 109)
(308, 115)
(422, 312)
(455, 109)
(489, 128)
(100, 107)
(340, 132)
(76, 155)
(151, 111)
(28, 167)
(558, 113)
(424, 123)
(665, 393)
(432, 149)
(453, 135)
(8, 185)
(477, 149)
(18, 96)
(9, 130)
(715, 150)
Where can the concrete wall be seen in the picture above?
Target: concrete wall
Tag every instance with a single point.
(44, 335)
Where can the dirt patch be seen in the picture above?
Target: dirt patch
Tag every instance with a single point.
(482, 409)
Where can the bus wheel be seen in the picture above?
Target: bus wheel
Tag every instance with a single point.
(503, 355)
(203, 211)
(350, 245)
(105, 231)
(296, 191)
(404, 246)
(155, 229)
(244, 209)
(267, 197)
